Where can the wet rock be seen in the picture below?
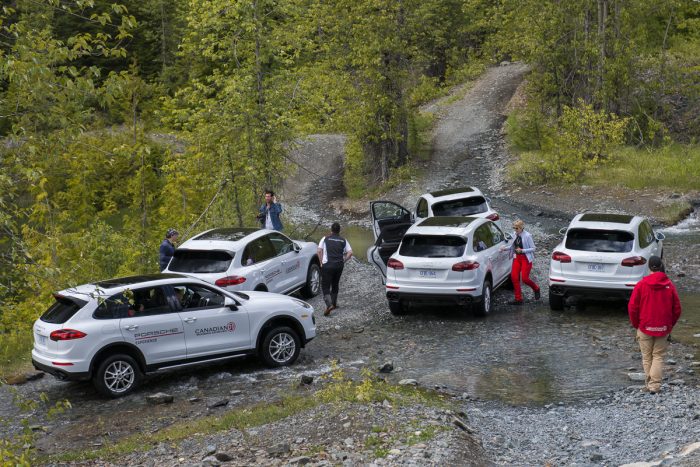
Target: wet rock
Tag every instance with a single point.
(408, 382)
(219, 403)
(210, 461)
(306, 379)
(210, 451)
(387, 367)
(160, 398)
(278, 449)
(636, 376)
(301, 460)
(223, 457)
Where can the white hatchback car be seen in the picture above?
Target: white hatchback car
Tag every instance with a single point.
(250, 259)
(446, 260)
(115, 331)
(602, 256)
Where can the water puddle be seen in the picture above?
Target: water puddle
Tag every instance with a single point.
(360, 238)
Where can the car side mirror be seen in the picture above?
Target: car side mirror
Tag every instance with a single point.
(488, 200)
(508, 236)
(563, 230)
(659, 236)
(296, 248)
(231, 304)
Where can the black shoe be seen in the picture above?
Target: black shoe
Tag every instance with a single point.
(537, 294)
(515, 302)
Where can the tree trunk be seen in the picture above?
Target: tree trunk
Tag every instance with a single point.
(600, 78)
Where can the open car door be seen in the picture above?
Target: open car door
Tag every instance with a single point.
(387, 213)
(386, 245)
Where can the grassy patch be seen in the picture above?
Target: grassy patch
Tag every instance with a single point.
(338, 389)
(674, 212)
(675, 167)
(15, 353)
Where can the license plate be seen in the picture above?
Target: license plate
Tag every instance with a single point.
(596, 267)
(41, 339)
(427, 274)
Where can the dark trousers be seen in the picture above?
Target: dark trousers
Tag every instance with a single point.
(330, 278)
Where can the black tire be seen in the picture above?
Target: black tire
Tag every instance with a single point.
(397, 308)
(117, 376)
(483, 308)
(313, 281)
(279, 347)
(556, 302)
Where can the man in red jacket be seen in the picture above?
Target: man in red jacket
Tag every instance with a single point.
(654, 309)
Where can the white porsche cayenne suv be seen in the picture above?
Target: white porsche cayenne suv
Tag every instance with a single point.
(115, 331)
(445, 260)
(602, 256)
(238, 259)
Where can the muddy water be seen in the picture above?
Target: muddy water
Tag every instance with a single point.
(360, 238)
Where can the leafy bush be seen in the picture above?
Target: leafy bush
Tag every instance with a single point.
(529, 130)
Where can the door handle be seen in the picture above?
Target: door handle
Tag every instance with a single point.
(190, 320)
(131, 327)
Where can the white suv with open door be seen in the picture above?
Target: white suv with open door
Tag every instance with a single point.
(444, 260)
(250, 259)
(115, 331)
(602, 256)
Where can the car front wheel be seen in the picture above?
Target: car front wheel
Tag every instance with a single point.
(483, 308)
(117, 376)
(280, 347)
(313, 281)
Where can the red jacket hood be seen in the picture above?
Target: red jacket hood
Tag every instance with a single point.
(657, 280)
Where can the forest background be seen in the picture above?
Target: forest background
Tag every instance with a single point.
(118, 120)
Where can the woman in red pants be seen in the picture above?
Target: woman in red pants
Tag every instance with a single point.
(522, 251)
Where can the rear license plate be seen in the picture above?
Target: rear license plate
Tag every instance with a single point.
(596, 267)
(41, 339)
(427, 274)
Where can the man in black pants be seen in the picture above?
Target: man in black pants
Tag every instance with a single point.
(333, 252)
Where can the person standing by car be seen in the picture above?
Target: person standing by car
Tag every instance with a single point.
(522, 252)
(654, 308)
(333, 252)
(269, 213)
(167, 248)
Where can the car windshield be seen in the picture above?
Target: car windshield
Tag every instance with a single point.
(201, 261)
(62, 309)
(603, 241)
(432, 246)
(461, 207)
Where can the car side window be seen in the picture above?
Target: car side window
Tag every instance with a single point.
(114, 307)
(262, 249)
(483, 238)
(422, 208)
(496, 233)
(195, 296)
(148, 301)
(281, 244)
(646, 234)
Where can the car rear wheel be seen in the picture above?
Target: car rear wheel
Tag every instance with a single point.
(313, 281)
(556, 302)
(117, 376)
(397, 308)
(483, 308)
(280, 347)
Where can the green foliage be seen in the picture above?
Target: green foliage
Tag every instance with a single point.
(529, 130)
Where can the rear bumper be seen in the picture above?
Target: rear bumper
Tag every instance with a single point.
(438, 299)
(60, 373)
(598, 293)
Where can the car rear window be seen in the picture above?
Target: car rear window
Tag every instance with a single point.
(603, 241)
(201, 261)
(432, 246)
(62, 309)
(461, 207)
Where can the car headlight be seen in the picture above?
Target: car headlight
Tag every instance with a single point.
(302, 304)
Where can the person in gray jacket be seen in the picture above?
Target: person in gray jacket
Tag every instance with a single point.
(522, 251)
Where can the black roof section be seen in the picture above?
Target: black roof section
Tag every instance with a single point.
(452, 191)
(228, 234)
(122, 281)
(447, 221)
(614, 218)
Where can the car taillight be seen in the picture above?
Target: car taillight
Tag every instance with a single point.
(230, 280)
(465, 266)
(394, 264)
(634, 261)
(66, 335)
(494, 216)
(561, 257)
